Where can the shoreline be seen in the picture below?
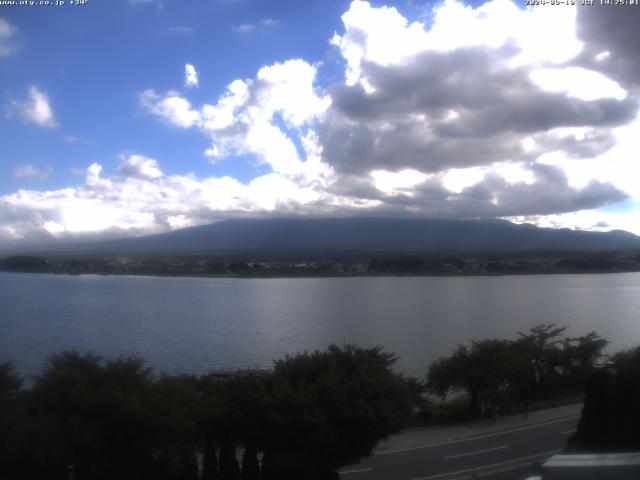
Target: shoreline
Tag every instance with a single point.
(328, 275)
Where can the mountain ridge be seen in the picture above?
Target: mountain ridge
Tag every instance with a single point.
(354, 235)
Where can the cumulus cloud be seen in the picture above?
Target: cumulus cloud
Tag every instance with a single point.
(459, 109)
(35, 109)
(143, 200)
(171, 107)
(470, 91)
(477, 96)
(257, 116)
(471, 114)
(190, 76)
(139, 166)
(7, 35)
(30, 171)
(536, 189)
(609, 35)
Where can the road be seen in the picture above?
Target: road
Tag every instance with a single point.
(497, 455)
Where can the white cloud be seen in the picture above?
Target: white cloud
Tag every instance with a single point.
(7, 34)
(35, 109)
(619, 165)
(139, 166)
(596, 220)
(8, 232)
(578, 82)
(395, 183)
(459, 93)
(144, 202)
(190, 76)
(245, 28)
(179, 221)
(383, 36)
(172, 108)
(457, 179)
(473, 113)
(30, 171)
(488, 170)
(245, 120)
(379, 35)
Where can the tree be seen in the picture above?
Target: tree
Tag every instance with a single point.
(250, 464)
(330, 409)
(10, 382)
(210, 461)
(482, 371)
(541, 346)
(554, 363)
(583, 353)
(176, 404)
(610, 418)
(233, 413)
(12, 421)
(503, 370)
(229, 468)
(94, 416)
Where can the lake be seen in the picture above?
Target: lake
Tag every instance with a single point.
(198, 324)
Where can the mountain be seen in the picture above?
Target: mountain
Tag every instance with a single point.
(322, 237)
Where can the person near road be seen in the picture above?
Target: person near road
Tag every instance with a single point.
(494, 411)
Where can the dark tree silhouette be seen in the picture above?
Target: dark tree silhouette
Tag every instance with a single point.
(210, 461)
(539, 362)
(610, 418)
(113, 419)
(250, 464)
(482, 371)
(94, 417)
(13, 431)
(331, 408)
(229, 468)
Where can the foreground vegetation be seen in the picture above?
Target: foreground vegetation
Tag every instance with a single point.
(610, 419)
(92, 419)
(116, 420)
(541, 364)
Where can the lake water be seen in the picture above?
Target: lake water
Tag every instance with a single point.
(198, 324)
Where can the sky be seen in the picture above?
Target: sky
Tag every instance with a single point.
(132, 117)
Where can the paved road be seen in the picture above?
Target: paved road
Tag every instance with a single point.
(496, 455)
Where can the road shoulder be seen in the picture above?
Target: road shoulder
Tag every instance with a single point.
(432, 435)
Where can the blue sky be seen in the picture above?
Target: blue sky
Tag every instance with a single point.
(313, 108)
(94, 60)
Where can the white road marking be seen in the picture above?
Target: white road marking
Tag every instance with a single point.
(479, 437)
(344, 472)
(485, 467)
(569, 432)
(477, 452)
